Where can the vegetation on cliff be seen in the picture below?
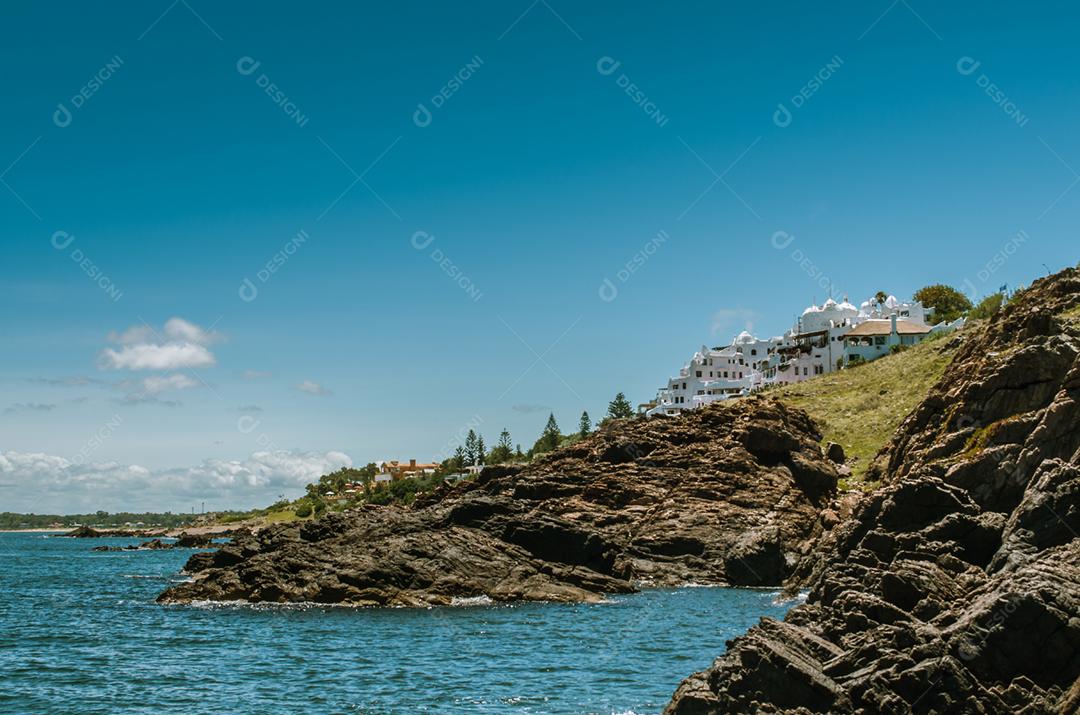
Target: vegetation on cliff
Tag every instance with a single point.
(861, 407)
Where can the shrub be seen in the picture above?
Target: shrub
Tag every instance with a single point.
(949, 303)
(988, 306)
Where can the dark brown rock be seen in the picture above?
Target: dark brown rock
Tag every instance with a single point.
(710, 497)
(954, 588)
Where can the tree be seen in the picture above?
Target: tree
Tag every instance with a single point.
(549, 438)
(619, 407)
(988, 306)
(481, 452)
(880, 297)
(504, 450)
(458, 460)
(470, 448)
(948, 302)
(584, 426)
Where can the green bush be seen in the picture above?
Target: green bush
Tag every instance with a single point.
(304, 510)
(988, 306)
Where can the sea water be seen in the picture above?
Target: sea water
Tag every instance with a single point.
(80, 633)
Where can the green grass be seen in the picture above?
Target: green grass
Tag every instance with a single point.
(279, 516)
(861, 407)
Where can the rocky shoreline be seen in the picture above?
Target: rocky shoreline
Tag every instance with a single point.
(955, 588)
(737, 494)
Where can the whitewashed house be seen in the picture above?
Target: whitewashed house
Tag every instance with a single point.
(711, 375)
(876, 338)
(824, 339)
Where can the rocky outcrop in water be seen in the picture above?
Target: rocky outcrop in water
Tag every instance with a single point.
(733, 494)
(89, 532)
(183, 541)
(955, 588)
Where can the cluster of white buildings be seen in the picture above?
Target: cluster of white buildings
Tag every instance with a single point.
(824, 339)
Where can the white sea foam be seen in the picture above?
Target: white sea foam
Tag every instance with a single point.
(779, 599)
(471, 601)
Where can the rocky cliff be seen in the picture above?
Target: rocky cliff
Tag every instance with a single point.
(956, 586)
(733, 494)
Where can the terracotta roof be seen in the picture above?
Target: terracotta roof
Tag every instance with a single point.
(884, 327)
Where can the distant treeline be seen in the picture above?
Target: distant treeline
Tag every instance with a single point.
(11, 520)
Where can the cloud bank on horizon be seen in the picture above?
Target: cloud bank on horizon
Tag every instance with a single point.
(154, 362)
(47, 484)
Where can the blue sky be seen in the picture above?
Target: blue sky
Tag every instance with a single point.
(144, 154)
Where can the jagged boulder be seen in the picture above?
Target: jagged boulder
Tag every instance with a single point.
(954, 588)
(730, 494)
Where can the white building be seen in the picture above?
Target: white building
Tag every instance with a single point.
(816, 345)
(876, 338)
(711, 375)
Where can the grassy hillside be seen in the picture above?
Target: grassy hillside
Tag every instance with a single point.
(861, 407)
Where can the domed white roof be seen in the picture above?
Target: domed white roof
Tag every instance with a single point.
(745, 337)
(829, 304)
(891, 302)
(847, 306)
(811, 309)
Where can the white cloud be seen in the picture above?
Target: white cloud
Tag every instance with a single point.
(47, 483)
(184, 331)
(147, 356)
(313, 388)
(733, 320)
(134, 334)
(68, 381)
(183, 345)
(29, 407)
(177, 381)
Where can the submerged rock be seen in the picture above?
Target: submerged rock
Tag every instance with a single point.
(89, 532)
(731, 494)
(955, 588)
(183, 541)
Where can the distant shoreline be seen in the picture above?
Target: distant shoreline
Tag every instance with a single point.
(149, 532)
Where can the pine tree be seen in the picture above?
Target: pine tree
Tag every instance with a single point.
(470, 448)
(481, 452)
(585, 426)
(459, 458)
(503, 451)
(619, 407)
(550, 437)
